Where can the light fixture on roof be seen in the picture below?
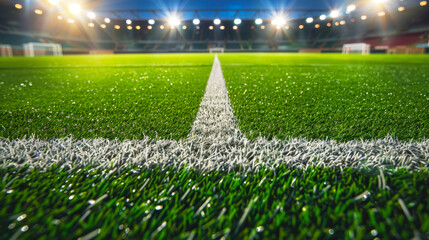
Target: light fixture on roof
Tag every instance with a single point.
(130, 27)
(222, 27)
(423, 3)
(107, 20)
(301, 26)
(151, 21)
(334, 14)
(322, 17)
(91, 15)
(128, 21)
(237, 21)
(279, 21)
(196, 21)
(18, 6)
(350, 8)
(235, 27)
(258, 21)
(138, 27)
(149, 27)
(217, 21)
(75, 8)
(174, 21)
(309, 20)
(211, 27)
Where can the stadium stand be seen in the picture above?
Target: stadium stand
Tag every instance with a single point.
(405, 29)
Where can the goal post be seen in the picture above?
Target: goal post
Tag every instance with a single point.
(6, 50)
(217, 49)
(357, 48)
(32, 49)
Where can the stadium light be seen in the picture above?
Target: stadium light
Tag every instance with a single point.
(235, 27)
(259, 21)
(363, 17)
(381, 13)
(38, 12)
(184, 27)
(309, 20)
(128, 21)
(317, 26)
(138, 27)
(91, 24)
(161, 27)
(262, 27)
(196, 21)
(423, 3)
(222, 27)
(151, 21)
(59, 17)
(217, 21)
(279, 21)
(301, 26)
(70, 20)
(18, 6)
(75, 8)
(211, 27)
(130, 27)
(91, 15)
(107, 20)
(149, 27)
(401, 9)
(351, 8)
(103, 25)
(117, 27)
(334, 14)
(237, 21)
(173, 21)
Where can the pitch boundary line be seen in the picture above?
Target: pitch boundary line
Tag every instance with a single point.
(215, 143)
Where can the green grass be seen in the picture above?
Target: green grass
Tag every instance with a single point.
(163, 204)
(102, 96)
(329, 96)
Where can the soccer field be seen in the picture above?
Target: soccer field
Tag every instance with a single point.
(164, 146)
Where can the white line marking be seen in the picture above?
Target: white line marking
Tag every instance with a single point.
(215, 143)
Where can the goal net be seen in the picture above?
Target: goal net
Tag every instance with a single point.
(357, 48)
(6, 50)
(217, 49)
(41, 49)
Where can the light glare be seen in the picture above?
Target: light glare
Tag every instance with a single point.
(174, 21)
(309, 20)
(91, 15)
(196, 21)
(151, 21)
(217, 21)
(237, 21)
(75, 8)
(258, 21)
(107, 20)
(335, 13)
(322, 17)
(129, 21)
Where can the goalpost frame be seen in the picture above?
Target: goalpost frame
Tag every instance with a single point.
(6, 50)
(217, 49)
(362, 48)
(29, 48)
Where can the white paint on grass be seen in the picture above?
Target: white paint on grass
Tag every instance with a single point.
(215, 143)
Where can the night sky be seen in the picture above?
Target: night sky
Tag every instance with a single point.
(220, 4)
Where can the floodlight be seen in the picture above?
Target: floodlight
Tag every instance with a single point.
(222, 27)
(174, 21)
(381, 13)
(322, 17)
(91, 15)
(18, 6)
(151, 21)
(279, 21)
(211, 27)
(317, 26)
(130, 27)
(351, 8)
(129, 21)
(161, 27)
(75, 8)
(107, 20)
(59, 17)
(70, 20)
(309, 20)
(363, 17)
(103, 25)
(184, 27)
(259, 21)
(301, 26)
(217, 21)
(237, 21)
(196, 21)
(53, 2)
(117, 27)
(90, 24)
(235, 27)
(401, 9)
(149, 27)
(334, 14)
(423, 3)
(38, 12)
(262, 27)
(138, 27)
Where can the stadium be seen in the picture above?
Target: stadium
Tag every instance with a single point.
(219, 119)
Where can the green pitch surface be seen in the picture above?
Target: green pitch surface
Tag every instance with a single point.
(120, 96)
(165, 204)
(329, 95)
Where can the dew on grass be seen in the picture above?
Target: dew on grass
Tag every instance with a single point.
(21, 217)
(9, 191)
(91, 201)
(374, 232)
(11, 226)
(259, 229)
(331, 231)
(56, 221)
(24, 228)
(71, 197)
(159, 207)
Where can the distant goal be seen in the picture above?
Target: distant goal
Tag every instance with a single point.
(6, 50)
(42, 49)
(217, 49)
(356, 48)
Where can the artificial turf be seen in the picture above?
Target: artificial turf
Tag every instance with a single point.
(329, 96)
(168, 203)
(102, 96)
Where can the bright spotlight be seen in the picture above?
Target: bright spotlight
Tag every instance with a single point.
(91, 15)
(363, 17)
(309, 20)
(217, 21)
(196, 21)
(91, 25)
(351, 8)
(237, 21)
(259, 21)
(174, 21)
(235, 27)
(128, 21)
(222, 27)
(278, 21)
(151, 21)
(53, 2)
(70, 20)
(334, 14)
(75, 8)
(322, 17)
(107, 20)
(423, 3)
(18, 6)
